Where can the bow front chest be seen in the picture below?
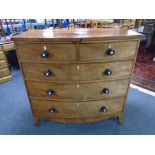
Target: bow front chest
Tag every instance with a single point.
(78, 75)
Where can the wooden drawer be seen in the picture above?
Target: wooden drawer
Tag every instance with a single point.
(98, 51)
(44, 108)
(2, 56)
(3, 64)
(80, 92)
(73, 72)
(4, 72)
(56, 52)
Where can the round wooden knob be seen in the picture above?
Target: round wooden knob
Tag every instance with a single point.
(50, 92)
(47, 72)
(44, 54)
(52, 110)
(108, 72)
(103, 109)
(105, 90)
(110, 51)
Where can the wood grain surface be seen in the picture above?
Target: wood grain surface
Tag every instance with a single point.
(3, 64)
(2, 57)
(57, 52)
(77, 72)
(76, 35)
(4, 72)
(77, 109)
(98, 52)
(77, 92)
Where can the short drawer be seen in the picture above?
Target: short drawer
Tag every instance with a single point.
(54, 52)
(80, 92)
(3, 64)
(51, 109)
(2, 56)
(4, 72)
(77, 72)
(99, 51)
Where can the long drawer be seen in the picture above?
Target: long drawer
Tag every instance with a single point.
(56, 52)
(99, 51)
(80, 72)
(51, 109)
(78, 92)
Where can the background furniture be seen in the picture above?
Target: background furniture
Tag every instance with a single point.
(5, 74)
(7, 46)
(76, 75)
(102, 23)
(95, 23)
(127, 23)
(139, 23)
(149, 33)
(14, 25)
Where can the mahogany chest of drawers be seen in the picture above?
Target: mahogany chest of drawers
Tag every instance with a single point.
(78, 75)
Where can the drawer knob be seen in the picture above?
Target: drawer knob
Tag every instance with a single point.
(52, 110)
(105, 90)
(44, 54)
(47, 72)
(108, 72)
(50, 92)
(103, 109)
(110, 51)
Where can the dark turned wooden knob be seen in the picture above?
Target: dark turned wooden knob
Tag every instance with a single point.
(50, 92)
(44, 54)
(103, 109)
(110, 51)
(105, 90)
(47, 72)
(108, 72)
(52, 110)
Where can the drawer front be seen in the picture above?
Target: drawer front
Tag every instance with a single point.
(56, 52)
(80, 92)
(3, 64)
(82, 72)
(98, 52)
(60, 109)
(4, 72)
(2, 57)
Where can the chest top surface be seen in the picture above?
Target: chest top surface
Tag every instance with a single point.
(76, 35)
